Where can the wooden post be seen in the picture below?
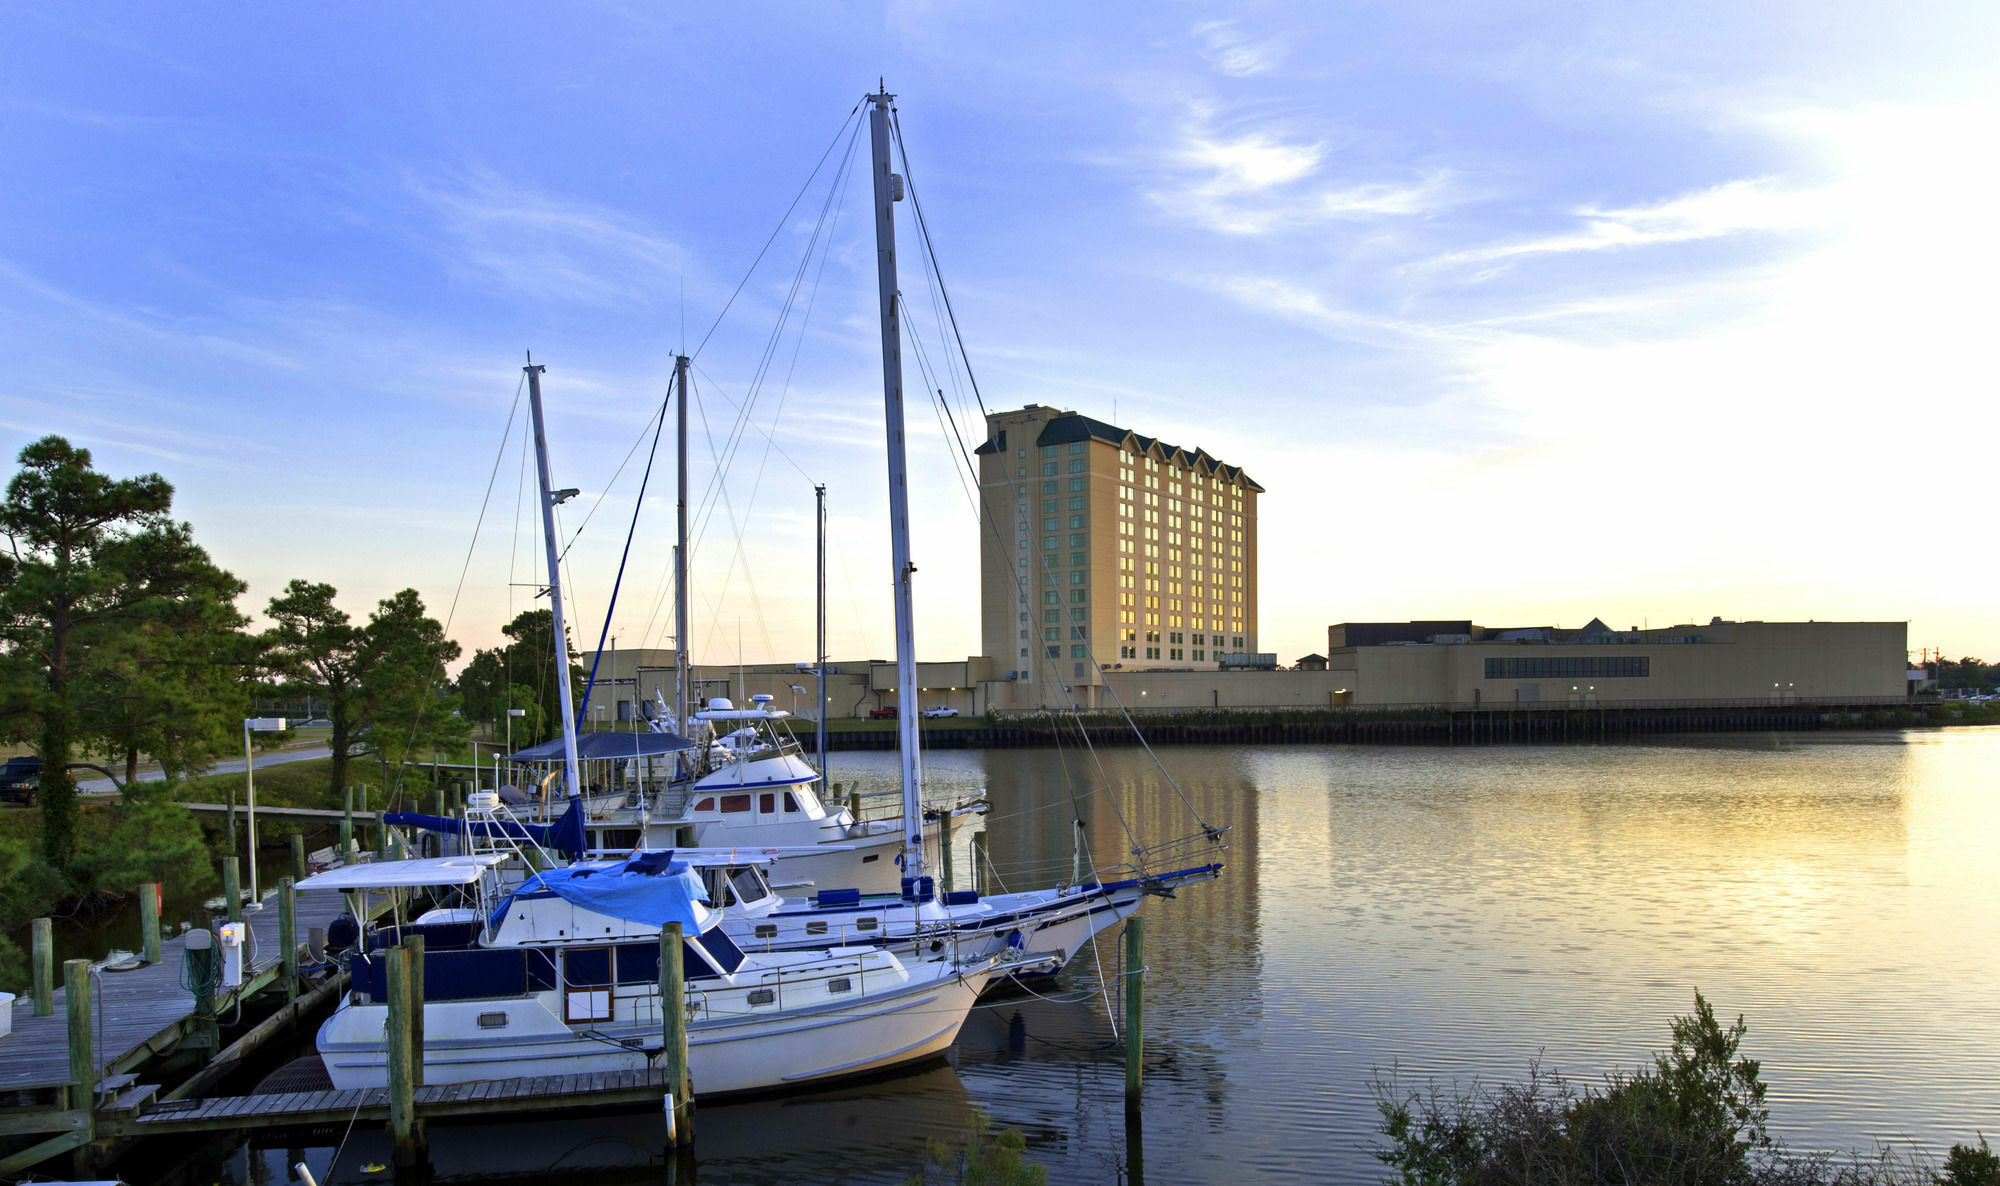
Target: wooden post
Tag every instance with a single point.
(45, 967)
(347, 824)
(674, 1049)
(1135, 1007)
(232, 889)
(298, 856)
(414, 944)
(381, 825)
(979, 861)
(82, 1052)
(149, 921)
(288, 935)
(402, 1086)
(854, 802)
(944, 850)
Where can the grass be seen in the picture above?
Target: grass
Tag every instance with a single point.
(294, 784)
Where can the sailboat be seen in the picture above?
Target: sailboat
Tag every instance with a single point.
(557, 971)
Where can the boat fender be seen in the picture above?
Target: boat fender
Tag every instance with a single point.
(1014, 940)
(343, 932)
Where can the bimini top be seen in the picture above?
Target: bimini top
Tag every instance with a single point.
(594, 746)
(459, 870)
(652, 888)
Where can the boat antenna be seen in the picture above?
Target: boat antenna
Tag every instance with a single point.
(888, 190)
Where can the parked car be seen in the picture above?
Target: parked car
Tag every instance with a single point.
(18, 779)
(882, 714)
(942, 710)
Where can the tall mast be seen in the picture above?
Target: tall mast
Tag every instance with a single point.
(819, 650)
(550, 498)
(888, 191)
(681, 547)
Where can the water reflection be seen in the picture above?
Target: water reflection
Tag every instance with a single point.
(1451, 912)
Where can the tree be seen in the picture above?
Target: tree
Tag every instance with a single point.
(313, 641)
(406, 699)
(90, 559)
(517, 676)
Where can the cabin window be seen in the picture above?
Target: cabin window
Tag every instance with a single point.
(735, 804)
(816, 928)
(767, 803)
(748, 885)
(492, 1021)
(791, 804)
(707, 804)
(840, 984)
(865, 924)
(767, 930)
(762, 996)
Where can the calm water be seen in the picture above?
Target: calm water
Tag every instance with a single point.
(1449, 912)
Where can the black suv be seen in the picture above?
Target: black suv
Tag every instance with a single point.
(19, 778)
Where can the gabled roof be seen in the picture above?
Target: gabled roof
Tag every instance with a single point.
(1077, 427)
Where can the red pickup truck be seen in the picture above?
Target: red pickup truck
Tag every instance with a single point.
(882, 714)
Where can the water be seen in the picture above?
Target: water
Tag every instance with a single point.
(1446, 913)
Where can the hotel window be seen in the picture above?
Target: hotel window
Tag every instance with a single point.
(1048, 578)
(1123, 652)
(1048, 506)
(1078, 559)
(1151, 636)
(1077, 615)
(1239, 642)
(1051, 634)
(1079, 540)
(1076, 652)
(1074, 447)
(1049, 543)
(1048, 469)
(1048, 487)
(1077, 464)
(1151, 652)
(1075, 504)
(1197, 654)
(1053, 652)
(1022, 474)
(1051, 615)
(1075, 521)
(1078, 483)
(1075, 578)
(1074, 632)
(1076, 596)
(1024, 650)
(1049, 597)
(1047, 525)
(1175, 653)
(1175, 637)
(1047, 452)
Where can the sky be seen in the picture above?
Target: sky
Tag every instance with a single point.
(1523, 314)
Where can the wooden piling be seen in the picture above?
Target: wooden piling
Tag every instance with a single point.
(414, 944)
(979, 861)
(288, 935)
(674, 1047)
(1135, 1007)
(44, 943)
(232, 889)
(403, 1131)
(298, 856)
(149, 921)
(347, 824)
(82, 1049)
(946, 884)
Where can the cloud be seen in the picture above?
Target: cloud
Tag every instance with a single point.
(1234, 52)
(1734, 207)
(1260, 181)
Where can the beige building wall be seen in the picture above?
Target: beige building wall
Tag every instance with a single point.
(1104, 549)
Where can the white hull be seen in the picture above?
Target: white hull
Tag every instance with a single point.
(727, 1052)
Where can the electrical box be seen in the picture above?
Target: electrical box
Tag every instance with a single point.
(232, 936)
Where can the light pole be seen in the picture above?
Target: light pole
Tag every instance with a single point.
(254, 725)
(511, 714)
(795, 698)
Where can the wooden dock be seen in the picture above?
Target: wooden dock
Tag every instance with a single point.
(305, 1109)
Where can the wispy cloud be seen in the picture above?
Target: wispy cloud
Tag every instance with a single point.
(1261, 180)
(1753, 204)
(1236, 53)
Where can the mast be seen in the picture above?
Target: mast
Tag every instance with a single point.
(681, 547)
(550, 499)
(888, 191)
(819, 650)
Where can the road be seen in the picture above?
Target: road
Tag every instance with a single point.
(104, 786)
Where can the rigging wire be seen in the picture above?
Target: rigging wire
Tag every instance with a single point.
(659, 425)
(779, 228)
(923, 227)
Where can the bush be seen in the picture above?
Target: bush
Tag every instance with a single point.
(149, 837)
(1696, 1117)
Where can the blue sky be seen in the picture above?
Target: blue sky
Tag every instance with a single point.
(1526, 314)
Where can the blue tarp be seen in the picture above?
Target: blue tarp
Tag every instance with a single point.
(565, 835)
(594, 746)
(652, 889)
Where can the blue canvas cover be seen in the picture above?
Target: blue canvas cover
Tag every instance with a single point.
(652, 888)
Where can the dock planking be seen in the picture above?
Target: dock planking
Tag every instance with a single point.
(541, 1095)
(133, 1009)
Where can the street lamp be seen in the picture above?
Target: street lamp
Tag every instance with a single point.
(511, 714)
(795, 698)
(255, 725)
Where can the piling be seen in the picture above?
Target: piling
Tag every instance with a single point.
(82, 1052)
(232, 889)
(45, 967)
(979, 862)
(674, 1046)
(1135, 1008)
(288, 935)
(403, 1131)
(944, 849)
(854, 801)
(414, 944)
(347, 823)
(298, 856)
(149, 921)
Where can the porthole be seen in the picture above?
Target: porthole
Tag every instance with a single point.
(762, 996)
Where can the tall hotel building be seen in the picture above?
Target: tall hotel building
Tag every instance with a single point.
(1098, 543)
